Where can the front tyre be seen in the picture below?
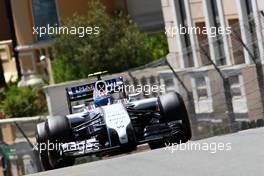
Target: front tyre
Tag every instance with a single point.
(172, 108)
(49, 158)
(41, 135)
(59, 131)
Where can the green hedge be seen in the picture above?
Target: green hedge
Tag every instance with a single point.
(23, 102)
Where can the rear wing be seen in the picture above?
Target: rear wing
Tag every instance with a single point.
(85, 91)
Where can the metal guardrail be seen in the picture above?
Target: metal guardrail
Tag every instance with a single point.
(22, 120)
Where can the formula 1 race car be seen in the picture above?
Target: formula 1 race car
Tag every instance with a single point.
(103, 120)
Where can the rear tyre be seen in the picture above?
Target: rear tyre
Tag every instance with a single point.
(172, 108)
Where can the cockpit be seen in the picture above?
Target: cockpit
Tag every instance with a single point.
(101, 94)
(89, 96)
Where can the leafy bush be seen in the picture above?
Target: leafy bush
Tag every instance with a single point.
(158, 45)
(119, 46)
(23, 102)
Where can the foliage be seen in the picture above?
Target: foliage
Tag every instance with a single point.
(157, 43)
(119, 46)
(23, 102)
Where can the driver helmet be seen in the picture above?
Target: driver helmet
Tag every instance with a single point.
(101, 95)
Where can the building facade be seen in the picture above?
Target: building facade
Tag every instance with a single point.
(197, 58)
(202, 55)
(35, 13)
(27, 14)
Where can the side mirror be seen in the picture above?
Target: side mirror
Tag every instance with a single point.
(135, 96)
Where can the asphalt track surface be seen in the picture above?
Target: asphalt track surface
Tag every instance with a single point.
(246, 158)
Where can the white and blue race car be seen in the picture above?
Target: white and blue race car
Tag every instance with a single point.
(103, 120)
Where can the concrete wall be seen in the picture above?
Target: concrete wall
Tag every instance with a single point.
(57, 102)
(197, 9)
(252, 92)
(260, 4)
(147, 14)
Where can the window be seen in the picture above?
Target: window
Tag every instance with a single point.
(44, 13)
(235, 86)
(202, 94)
(238, 94)
(201, 88)
(169, 81)
(237, 47)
